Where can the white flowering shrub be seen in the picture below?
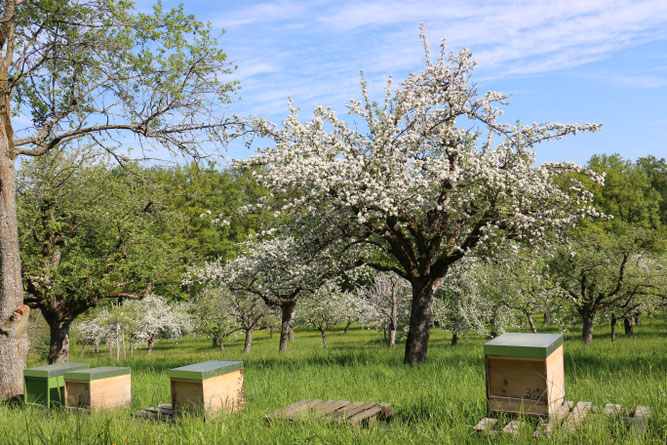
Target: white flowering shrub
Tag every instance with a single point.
(430, 175)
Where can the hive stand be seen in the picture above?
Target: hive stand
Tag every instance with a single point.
(212, 386)
(354, 413)
(44, 385)
(99, 388)
(525, 374)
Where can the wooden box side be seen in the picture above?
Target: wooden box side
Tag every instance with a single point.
(516, 384)
(186, 394)
(224, 392)
(77, 394)
(555, 380)
(112, 392)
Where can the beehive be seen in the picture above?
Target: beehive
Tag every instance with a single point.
(524, 373)
(211, 386)
(99, 388)
(44, 385)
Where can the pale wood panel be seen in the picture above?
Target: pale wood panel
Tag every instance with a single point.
(186, 394)
(509, 377)
(113, 392)
(555, 380)
(516, 405)
(77, 394)
(225, 391)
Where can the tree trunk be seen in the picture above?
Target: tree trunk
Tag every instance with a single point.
(638, 320)
(151, 343)
(629, 326)
(290, 333)
(124, 349)
(215, 342)
(547, 317)
(117, 347)
(83, 348)
(248, 340)
(532, 323)
(347, 326)
(270, 331)
(222, 344)
(613, 327)
(587, 330)
(110, 347)
(391, 340)
(13, 325)
(455, 338)
(131, 348)
(287, 312)
(97, 348)
(324, 338)
(416, 344)
(59, 341)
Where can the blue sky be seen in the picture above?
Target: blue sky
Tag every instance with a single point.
(565, 61)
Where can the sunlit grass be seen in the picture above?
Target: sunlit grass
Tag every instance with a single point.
(438, 402)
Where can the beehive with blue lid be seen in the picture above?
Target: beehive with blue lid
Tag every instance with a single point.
(525, 374)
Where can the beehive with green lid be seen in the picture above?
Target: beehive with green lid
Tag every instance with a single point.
(525, 373)
(99, 388)
(44, 385)
(213, 385)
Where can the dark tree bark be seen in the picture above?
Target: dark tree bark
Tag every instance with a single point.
(151, 343)
(638, 320)
(613, 327)
(347, 326)
(270, 331)
(420, 324)
(587, 330)
(547, 317)
(59, 341)
(248, 341)
(214, 343)
(290, 333)
(628, 324)
(324, 337)
(83, 348)
(287, 312)
(455, 338)
(533, 328)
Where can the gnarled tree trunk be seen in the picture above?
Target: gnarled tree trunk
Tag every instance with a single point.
(629, 325)
(613, 327)
(248, 340)
(287, 312)
(13, 325)
(455, 338)
(347, 326)
(421, 315)
(59, 341)
(324, 337)
(587, 329)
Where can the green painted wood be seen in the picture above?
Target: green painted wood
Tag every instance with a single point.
(44, 385)
(103, 372)
(54, 370)
(205, 370)
(524, 345)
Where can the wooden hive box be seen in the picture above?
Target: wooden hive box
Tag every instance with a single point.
(524, 374)
(44, 385)
(212, 386)
(99, 388)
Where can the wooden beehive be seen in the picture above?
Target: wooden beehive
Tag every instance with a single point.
(99, 388)
(212, 386)
(524, 374)
(44, 385)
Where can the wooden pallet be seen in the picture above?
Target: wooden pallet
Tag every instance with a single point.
(569, 417)
(354, 413)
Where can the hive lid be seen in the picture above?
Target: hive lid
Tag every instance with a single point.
(103, 372)
(205, 370)
(55, 370)
(524, 345)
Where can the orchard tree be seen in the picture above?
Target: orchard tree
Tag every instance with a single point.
(279, 271)
(326, 307)
(387, 304)
(599, 271)
(247, 310)
(89, 233)
(433, 174)
(213, 317)
(96, 70)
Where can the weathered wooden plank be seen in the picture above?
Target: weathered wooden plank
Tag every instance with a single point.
(349, 410)
(369, 413)
(576, 416)
(386, 411)
(513, 428)
(486, 426)
(333, 405)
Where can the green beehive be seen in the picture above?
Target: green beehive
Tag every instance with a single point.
(44, 385)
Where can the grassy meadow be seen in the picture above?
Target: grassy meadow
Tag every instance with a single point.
(437, 402)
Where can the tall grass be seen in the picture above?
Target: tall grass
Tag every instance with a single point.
(437, 402)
